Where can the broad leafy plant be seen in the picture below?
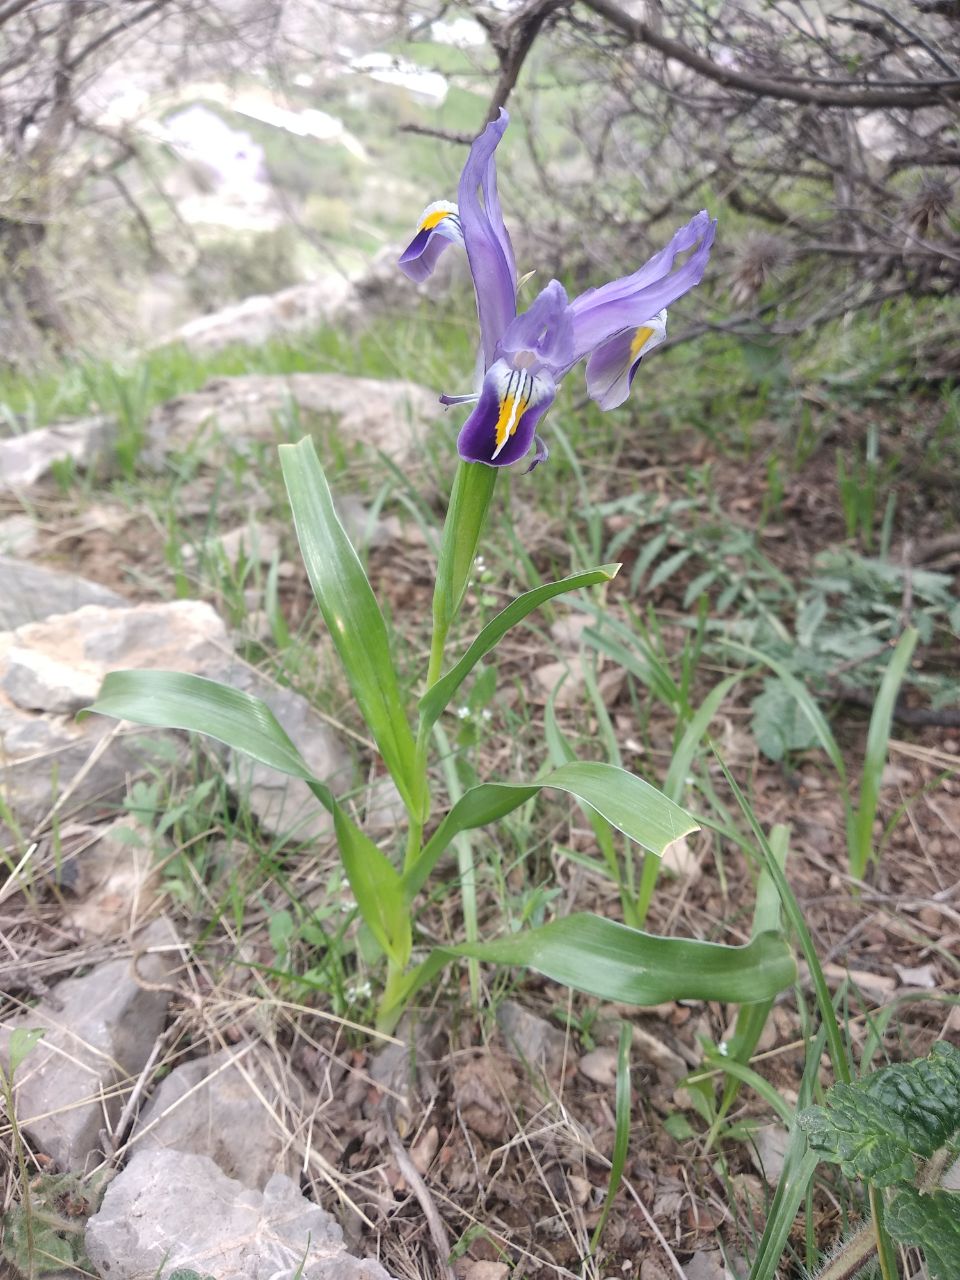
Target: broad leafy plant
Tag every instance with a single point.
(898, 1130)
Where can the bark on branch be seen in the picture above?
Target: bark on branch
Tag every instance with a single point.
(761, 86)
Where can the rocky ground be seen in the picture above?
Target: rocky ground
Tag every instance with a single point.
(185, 1110)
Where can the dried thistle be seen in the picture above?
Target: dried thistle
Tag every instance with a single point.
(757, 259)
(928, 207)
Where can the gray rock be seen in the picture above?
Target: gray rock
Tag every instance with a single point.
(18, 535)
(110, 875)
(100, 1029)
(531, 1038)
(282, 805)
(223, 1106)
(50, 669)
(382, 414)
(169, 1210)
(769, 1152)
(30, 593)
(257, 319)
(27, 458)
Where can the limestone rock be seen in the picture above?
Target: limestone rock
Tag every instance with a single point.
(27, 458)
(18, 535)
(171, 1210)
(223, 1106)
(769, 1151)
(50, 669)
(257, 319)
(384, 414)
(100, 1029)
(30, 593)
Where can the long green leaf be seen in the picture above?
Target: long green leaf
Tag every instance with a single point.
(174, 700)
(614, 962)
(438, 696)
(878, 738)
(633, 806)
(350, 611)
(473, 487)
(679, 771)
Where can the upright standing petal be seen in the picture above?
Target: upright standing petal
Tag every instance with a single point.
(545, 329)
(502, 427)
(600, 314)
(438, 227)
(614, 364)
(485, 237)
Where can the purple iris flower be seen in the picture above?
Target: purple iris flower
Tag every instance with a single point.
(525, 356)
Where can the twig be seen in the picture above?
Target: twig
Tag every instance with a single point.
(415, 1182)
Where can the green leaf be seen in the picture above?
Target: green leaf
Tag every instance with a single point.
(612, 961)
(879, 1127)
(932, 1222)
(174, 700)
(633, 806)
(878, 738)
(779, 724)
(473, 487)
(22, 1042)
(350, 611)
(438, 697)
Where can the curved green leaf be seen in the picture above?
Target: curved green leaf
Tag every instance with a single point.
(633, 806)
(174, 700)
(614, 962)
(350, 611)
(438, 696)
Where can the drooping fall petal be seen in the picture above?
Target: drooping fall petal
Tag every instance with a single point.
(501, 429)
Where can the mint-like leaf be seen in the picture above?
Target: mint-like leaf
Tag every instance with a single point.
(933, 1223)
(879, 1127)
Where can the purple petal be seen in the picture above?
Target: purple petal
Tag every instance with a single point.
(613, 365)
(502, 427)
(488, 246)
(545, 328)
(438, 227)
(541, 455)
(600, 314)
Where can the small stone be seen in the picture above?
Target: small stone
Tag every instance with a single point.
(681, 860)
(88, 444)
(769, 1151)
(580, 1189)
(384, 811)
(172, 1210)
(878, 986)
(224, 1106)
(484, 1270)
(924, 975)
(660, 1056)
(531, 1038)
(567, 632)
(251, 542)
(100, 1030)
(706, 1264)
(566, 680)
(600, 1066)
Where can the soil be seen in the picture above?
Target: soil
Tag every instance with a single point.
(515, 1158)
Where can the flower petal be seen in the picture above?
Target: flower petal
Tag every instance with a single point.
(502, 427)
(613, 365)
(545, 328)
(438, 227)
(600, 314)
(488, 246)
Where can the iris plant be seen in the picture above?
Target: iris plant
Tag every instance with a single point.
(525, 355)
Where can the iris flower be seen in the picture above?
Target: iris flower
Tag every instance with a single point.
(525, 355)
